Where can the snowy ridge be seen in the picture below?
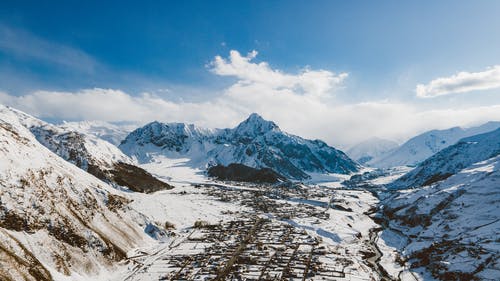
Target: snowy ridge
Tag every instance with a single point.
(452, 226)
(174, 139)
(111, 133)
(255, 143)
(451, 160)
(56, 219)
(421, 147)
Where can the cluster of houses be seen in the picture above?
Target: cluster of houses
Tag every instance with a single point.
(264, 240)
(252, 248)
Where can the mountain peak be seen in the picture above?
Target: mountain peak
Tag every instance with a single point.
(255, 125)
(256, 117)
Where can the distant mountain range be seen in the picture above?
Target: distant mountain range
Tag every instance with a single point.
(421, 147)
(255, 142)
(370, 149)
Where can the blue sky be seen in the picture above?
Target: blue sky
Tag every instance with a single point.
(167, 49)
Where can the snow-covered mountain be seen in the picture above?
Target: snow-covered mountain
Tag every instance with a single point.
(255, 142)
(90, 153)
(425, 145)
(451, 160)
(56, 219)
(370, 149)
(103, 130)
(451, 227)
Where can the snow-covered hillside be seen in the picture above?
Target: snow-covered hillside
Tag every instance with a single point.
(255, 142)
(90, 153)
(370, 149)
(56, 219)
(452, 227)
(419, 148)
(103, 130)
(451, 160)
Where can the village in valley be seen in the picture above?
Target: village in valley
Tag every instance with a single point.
(279, 233)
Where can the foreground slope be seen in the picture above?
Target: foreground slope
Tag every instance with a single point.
(451, 160)
(55, 219)
(255, 142)
(452, 226)
(421, 147)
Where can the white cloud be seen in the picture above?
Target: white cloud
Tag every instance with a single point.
(461, 82)
(301, 104)
(310, 82)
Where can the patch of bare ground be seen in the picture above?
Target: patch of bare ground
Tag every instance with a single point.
(21, 263)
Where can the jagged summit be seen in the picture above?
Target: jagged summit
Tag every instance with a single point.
(174, 137)
(255, 125)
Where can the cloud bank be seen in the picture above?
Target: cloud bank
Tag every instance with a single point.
(300, 103)
(461, 83)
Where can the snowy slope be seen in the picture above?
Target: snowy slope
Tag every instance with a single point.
(453, 226)
(370, 149)
(56, 219)
(255, 142)
(109, 132)
(419, 148)
(451, 160)
(90, 153)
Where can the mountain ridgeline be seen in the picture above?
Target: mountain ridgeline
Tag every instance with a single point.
(451, 160)
(255, 142)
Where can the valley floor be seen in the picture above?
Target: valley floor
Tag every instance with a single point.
(251, 232)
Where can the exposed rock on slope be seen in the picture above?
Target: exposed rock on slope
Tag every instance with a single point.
(136, 179)
(240, 172)
(452, 226)
(54, 217)
(255, 143)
